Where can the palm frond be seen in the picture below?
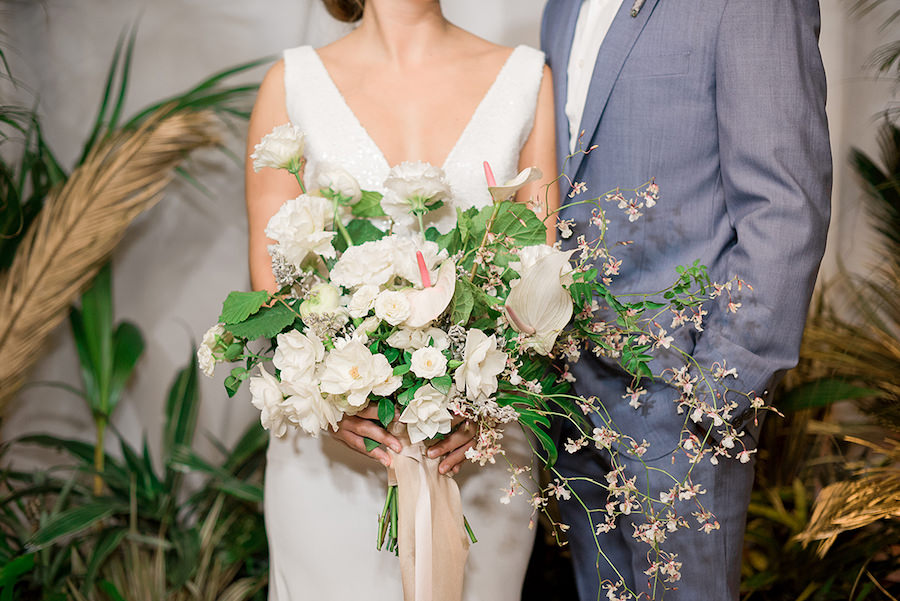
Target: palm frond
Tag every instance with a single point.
(856, 503)
(80, 225)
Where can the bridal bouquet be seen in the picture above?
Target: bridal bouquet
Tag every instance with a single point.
(434, 314)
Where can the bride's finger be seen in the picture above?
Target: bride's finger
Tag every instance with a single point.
(455, 458)
(369, 429)
(356, 442)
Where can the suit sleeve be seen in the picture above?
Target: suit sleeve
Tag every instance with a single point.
(776, 176)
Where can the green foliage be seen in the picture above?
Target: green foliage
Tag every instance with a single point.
(360, 230)
(265, 323)
(141, 510)
(369, 206)
(822, 393)
(883, 186)
(107, 353)
(238, 306)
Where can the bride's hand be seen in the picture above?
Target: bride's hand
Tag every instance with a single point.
(454, 447)
(353, 428)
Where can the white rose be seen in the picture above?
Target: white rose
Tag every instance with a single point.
(428, 363)
(308, 409)
(368, 263)
(354, 371)
(362, 301)
(392, 307)
(339, 181)
(280, 149)
(366, 327)
(296, 356)
(321, 298)
(416, 338)
(266, 395)
(482, 363)
(298, 228)
(427, 414)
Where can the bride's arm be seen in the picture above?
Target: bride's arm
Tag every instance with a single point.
(540, 151)
(267, 190)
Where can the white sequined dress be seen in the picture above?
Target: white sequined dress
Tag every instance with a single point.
(321, 499)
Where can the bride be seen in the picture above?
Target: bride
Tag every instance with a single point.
(405, 85)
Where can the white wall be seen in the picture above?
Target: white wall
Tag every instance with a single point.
(179, 261)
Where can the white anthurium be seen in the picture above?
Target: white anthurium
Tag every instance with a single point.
(538, 304)
(427, 304)
(522, 179)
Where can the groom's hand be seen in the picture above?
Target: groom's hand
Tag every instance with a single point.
(352, 429)
(454, 446)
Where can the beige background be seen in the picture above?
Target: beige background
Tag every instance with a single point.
(179, 260)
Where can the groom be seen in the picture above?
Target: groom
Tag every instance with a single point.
(723, 103)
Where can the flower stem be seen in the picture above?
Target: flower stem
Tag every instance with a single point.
(340, 225)
(299, 181)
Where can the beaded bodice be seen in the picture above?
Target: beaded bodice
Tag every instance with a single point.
(495, 133)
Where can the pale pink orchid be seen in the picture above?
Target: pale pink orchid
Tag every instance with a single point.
(507, 190)
(428, 303)
(538, 304)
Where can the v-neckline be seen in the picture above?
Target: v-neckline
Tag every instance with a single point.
(367, 136)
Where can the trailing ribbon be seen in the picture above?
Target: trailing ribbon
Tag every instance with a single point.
(432, 540)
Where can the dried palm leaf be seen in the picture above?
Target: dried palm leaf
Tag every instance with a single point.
(81, 224)
(851, 504)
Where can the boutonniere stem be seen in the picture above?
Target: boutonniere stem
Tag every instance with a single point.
(636, 7)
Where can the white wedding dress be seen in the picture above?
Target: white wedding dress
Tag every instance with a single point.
(322, 500)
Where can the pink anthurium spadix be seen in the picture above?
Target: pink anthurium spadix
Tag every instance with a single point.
(538, 305)
(427, 304)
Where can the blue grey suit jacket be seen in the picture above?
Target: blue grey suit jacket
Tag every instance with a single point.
(723, 103)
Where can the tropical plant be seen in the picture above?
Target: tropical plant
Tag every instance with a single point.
(59, 229)
(63, 537)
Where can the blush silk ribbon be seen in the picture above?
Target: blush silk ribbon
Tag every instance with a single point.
(431, 538)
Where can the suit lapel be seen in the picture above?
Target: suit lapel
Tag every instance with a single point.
(622, 35)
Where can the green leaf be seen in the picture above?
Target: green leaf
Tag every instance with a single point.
(515, 220)
(97, 323)
(545, 440)
(107, 543)
(369, 206)
(182, 406)
(9, 574)
(110, 589)
(401, 369)
(371, 445)
(241, 305)
(266, 323)
(360, 231)
(824, 392)
(462, 304)
(128, 346)
(73, 521)
(442, 384)
(233, 351)
(385, 411)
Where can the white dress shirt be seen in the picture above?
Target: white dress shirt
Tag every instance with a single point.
(594, 20)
